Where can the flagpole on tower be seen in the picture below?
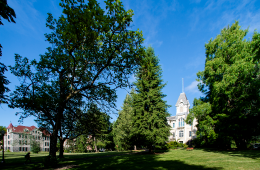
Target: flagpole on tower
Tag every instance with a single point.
(182, 86)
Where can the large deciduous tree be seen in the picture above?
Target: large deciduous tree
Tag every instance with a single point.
(150, 127)
(7, 13)
(93, 53)
(230, 82)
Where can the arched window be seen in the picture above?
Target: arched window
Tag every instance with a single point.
(181, 122)
(181, 133)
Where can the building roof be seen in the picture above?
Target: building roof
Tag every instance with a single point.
(171, 118)
(182, 98)
(10, 126)
(20, 129)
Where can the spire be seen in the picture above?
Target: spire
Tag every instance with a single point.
(10, 126)
(182, 86)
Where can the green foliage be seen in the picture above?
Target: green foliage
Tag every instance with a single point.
(150, 126)
(123, 125)
(93, 53)
(206, 135)
(35, 146)
(185, 146)
(175, 145)
(3, 81)
(6, 12)
(81, 143)
(231, 84)
(2, 128)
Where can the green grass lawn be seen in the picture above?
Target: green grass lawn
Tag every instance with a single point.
(174, 159)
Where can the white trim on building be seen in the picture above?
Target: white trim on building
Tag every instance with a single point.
(180, 131)
(17, 139)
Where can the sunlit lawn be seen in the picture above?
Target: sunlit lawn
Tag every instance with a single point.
(174, 159)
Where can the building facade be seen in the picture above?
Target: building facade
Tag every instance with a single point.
(180, 131)
(17, 139)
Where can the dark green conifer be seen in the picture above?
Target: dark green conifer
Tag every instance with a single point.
(150, 127)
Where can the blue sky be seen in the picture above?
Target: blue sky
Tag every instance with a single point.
(176, 29)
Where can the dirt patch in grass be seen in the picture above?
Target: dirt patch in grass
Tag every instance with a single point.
(66, 167)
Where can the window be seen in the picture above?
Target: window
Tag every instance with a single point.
(25, 149)
(173, 135)
(20, 142)
(20, 148)
(38, 137)
(189, 133)
(20, 135)
(25, 136)
(173, 125)
(181, 122)
(46, 143)
(8, 136)
(181, 109)
(8, 142)
(8, 148)
(7, 130)
(25, 142)
(181, 133)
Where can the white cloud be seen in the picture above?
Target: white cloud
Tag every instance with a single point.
(225, 13)
(192, 88)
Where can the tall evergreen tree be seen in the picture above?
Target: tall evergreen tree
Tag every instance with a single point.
(123, 125)
(150, 126)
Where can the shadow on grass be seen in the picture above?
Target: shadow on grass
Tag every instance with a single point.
(254, 154)
(135, 161)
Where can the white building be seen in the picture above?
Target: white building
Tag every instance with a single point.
(17, 139)
(180, 131)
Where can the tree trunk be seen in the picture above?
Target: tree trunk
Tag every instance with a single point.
(61, 148)
(95, 145)
(150, 148)
(53, 144)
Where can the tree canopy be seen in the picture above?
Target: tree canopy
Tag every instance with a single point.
(230, 82)
(93, 53)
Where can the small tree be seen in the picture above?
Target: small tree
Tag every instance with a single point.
(35, 146)
(123, 125)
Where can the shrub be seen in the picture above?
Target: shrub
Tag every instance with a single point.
(66, 151)
(8, 150)
(185, 146)
(35, 147)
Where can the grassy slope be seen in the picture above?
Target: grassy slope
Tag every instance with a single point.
(174, 159)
